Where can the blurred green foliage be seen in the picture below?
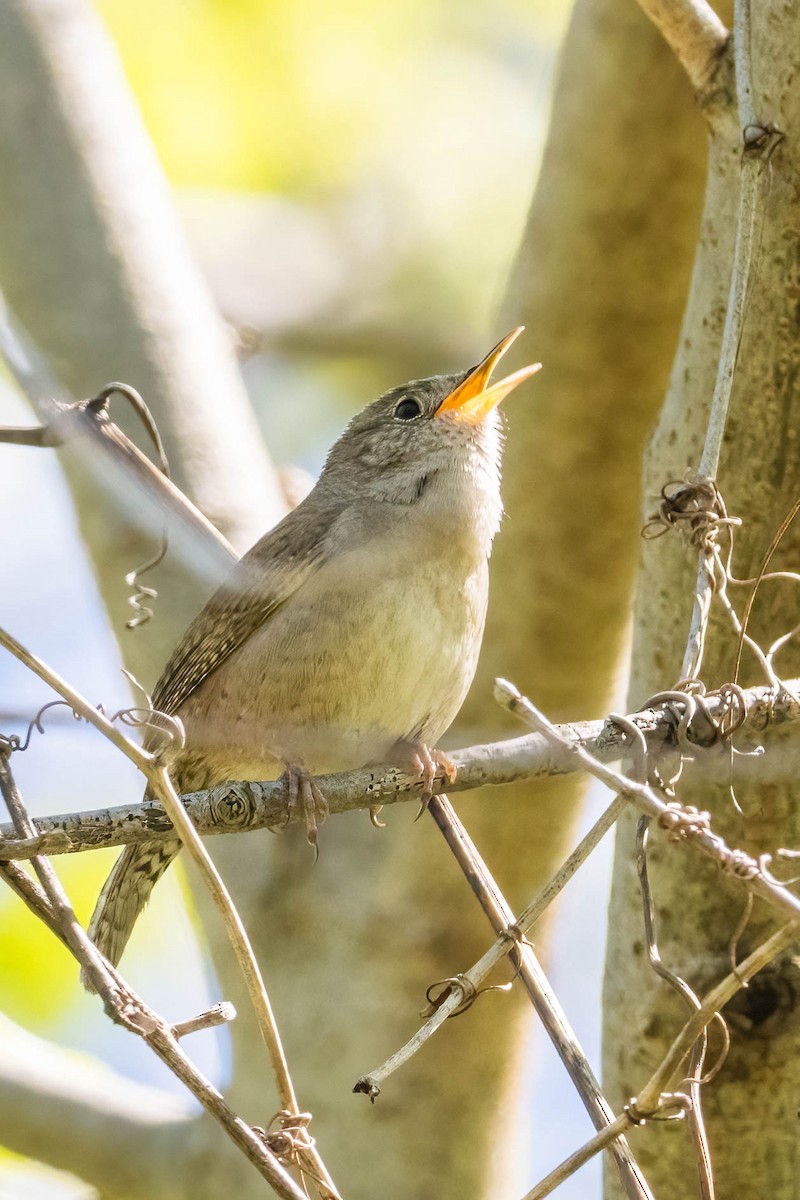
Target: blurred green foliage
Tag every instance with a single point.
(298, 96)
(38, 972)
(407, 132)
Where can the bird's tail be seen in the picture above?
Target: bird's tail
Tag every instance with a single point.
(126, 892)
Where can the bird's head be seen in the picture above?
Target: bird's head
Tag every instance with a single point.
(445, 426)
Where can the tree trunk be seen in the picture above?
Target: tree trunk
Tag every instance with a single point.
(750, 1108)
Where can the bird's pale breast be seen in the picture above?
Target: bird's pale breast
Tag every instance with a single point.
(377, 645)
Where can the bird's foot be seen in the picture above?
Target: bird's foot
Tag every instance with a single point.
(306, 800)
(426, 764)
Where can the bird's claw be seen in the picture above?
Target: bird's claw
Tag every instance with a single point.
(305, 798)
(426, 764)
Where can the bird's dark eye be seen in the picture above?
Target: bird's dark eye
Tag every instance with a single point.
(408, 409)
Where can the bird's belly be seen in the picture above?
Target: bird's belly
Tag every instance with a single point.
(353, 662)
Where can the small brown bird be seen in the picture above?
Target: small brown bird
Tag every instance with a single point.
(350, 633)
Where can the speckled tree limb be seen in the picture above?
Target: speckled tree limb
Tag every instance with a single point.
(241, 807)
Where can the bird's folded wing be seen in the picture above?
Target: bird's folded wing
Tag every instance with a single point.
(260, 583)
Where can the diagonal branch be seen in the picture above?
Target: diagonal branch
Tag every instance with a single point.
(542, 996)
(685, 825)
(652, 1097)
(468, 982)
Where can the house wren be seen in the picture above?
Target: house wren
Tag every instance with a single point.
(350, 633)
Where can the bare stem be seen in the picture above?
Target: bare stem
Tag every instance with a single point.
(575, 1161)
(653, 1095)
(220, 1014)
(759, 141)
(474, 977)
(711, 1004)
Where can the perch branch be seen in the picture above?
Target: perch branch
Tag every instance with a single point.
(241, 807)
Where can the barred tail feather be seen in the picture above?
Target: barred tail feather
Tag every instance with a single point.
(126, 892)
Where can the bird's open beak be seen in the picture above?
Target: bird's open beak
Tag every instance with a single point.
(473, 399)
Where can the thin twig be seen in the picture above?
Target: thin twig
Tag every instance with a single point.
(759, 141)
(474, 977)
(569, 1166)
(220, 1014)
(695, 34)
(535, 983)
(245, 806)
(679, 985)
(710, 1006)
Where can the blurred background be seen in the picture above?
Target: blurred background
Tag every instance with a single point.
(353, 182)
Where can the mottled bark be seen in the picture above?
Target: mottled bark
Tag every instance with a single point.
(751, 1107)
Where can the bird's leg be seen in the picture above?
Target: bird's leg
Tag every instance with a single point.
(418, 759)
(304, 797)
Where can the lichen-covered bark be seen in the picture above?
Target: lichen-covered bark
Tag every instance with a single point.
(751, 1107)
